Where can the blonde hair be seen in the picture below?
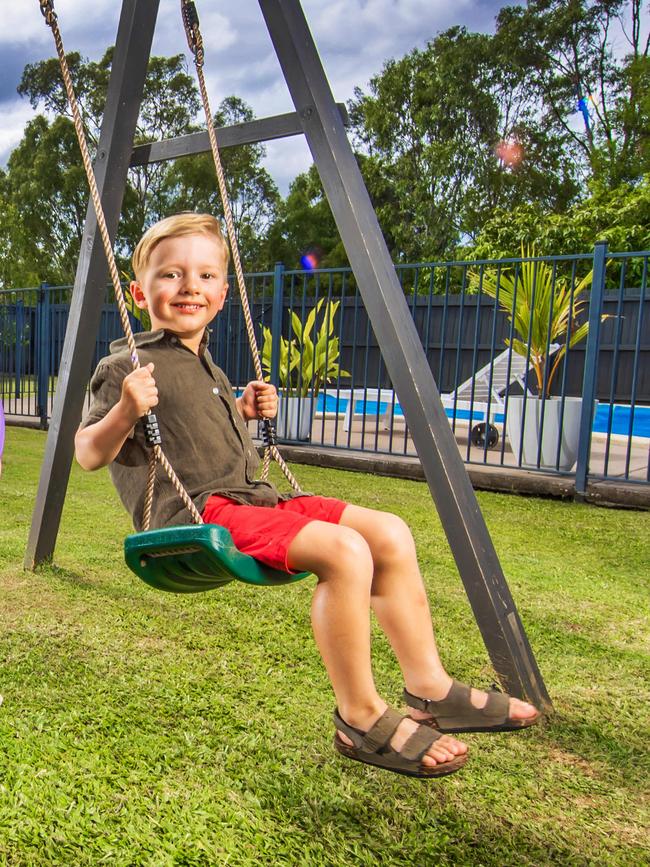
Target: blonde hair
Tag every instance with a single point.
(186, 223)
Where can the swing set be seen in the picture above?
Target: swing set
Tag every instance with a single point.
(200, 556)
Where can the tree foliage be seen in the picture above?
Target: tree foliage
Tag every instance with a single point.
(430, 126)
(45, 190)
(620, 216)
(304, 220)
(590, 95)
(44, 206)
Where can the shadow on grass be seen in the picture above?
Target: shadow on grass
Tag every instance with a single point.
(623, 752)
(132, 592)
(378, 820)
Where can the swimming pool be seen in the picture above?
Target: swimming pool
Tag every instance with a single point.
(621, 414)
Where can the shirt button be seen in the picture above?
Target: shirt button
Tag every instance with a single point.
(215, 391)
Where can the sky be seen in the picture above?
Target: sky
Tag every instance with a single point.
(354, 38)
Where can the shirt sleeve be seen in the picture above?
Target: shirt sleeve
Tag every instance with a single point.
(105, 391)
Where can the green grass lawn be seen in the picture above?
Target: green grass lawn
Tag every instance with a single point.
(145, 728)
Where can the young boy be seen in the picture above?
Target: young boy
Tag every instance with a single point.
(363, 559)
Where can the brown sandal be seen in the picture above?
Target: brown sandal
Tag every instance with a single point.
(373, 747)
(456, 713)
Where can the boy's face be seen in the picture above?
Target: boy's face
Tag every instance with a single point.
(183, 286)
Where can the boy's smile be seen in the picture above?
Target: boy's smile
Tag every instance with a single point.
(184, 286)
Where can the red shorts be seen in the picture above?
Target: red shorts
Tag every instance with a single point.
(265, 532)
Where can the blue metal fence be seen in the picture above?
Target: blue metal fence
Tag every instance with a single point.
(464, 332)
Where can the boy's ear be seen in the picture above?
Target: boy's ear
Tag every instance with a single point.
(224, 293)
(137, 294)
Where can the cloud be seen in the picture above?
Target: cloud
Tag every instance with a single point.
(285, 159)
(23, 23)
(357, 37)
(169, 36)
(15, 116)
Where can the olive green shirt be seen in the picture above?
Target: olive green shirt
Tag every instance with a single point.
(203, 436)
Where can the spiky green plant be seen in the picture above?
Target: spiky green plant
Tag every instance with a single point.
(306, 364)
(542, 307)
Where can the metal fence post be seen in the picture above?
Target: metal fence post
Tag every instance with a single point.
(591, 366)
(18, 357)
(43, 353)
(276, 321)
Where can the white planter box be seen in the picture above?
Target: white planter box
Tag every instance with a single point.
(295, 416)
(561, 427)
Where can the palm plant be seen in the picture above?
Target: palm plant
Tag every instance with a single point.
(542, 309)
(306, 363)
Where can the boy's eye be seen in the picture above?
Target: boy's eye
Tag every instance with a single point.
(208, 275)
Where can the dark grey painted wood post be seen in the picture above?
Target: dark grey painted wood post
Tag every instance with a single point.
(472, 547)
(132, 48)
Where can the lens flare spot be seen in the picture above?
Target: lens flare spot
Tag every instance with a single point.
(310, 259)
(510, 152)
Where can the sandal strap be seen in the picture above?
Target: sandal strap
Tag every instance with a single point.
(457, 706)
(497, 705)
(377, 735)
(419, 743)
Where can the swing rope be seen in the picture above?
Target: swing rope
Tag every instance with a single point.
(195, 43)
(157, 454)
(152, 433)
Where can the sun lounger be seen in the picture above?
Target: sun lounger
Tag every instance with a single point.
(480, 398)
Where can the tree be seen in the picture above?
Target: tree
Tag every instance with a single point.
(429, 128)
(633, 113)
(566, 52)
(304, 221)
(620, 216)
(44, 205)
(169, 104)
(45, 190)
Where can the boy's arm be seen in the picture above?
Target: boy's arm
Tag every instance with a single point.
(98, 444)
(259, 400)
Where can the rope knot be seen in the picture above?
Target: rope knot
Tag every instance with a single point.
(192, 30)
(269, 437)
(47, 8)
(151, 430)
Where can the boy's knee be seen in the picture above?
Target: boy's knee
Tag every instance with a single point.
(351, 548)
(393, 534)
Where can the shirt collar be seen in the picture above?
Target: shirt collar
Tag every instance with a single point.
(146, 338)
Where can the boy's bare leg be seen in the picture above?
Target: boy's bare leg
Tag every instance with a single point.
(341, 559)
(399, 601)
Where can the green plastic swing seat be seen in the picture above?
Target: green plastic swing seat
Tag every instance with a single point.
(196, 557)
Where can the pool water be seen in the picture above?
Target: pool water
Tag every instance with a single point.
(622, 418)
(620, 422)
(621, 414)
